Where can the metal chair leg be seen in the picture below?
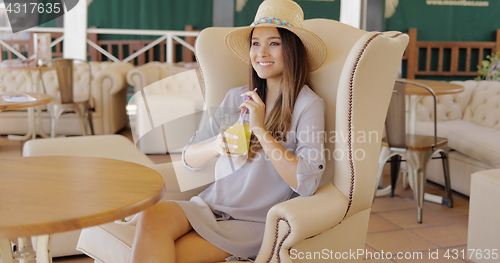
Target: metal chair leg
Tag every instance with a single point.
(385, 154)
(80, 111)
(395, 166)
(447, 182)
(418, 164)
(55, 114)
(91, 124)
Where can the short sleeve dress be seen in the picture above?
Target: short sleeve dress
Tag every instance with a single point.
(231, 212)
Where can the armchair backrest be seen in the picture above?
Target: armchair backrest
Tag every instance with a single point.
(355, 82)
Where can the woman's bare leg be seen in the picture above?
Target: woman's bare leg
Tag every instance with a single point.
(157, 229)
(192, 248)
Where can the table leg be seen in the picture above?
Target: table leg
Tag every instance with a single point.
(39, 126)
(31, 128)
(6, 251)
(43, 249)
(31, 115)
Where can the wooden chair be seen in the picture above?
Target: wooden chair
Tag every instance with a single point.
(67, 102)
(417, 150)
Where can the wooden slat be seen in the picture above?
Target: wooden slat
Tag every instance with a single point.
(467, 60)
(412, 51)
(440, 59)
(497, 42)
(120, 51)
(454, 60)
(480, 59)
(428, 60)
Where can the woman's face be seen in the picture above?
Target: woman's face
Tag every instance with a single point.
(265, 53)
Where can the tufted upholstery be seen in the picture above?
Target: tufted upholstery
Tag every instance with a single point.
(108, 98)
(171, 91)
(449, 107)
(471, 122)
(484, 107)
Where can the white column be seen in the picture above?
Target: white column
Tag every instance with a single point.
(75, 32)
(350, 12)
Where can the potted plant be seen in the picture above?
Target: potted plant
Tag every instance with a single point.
(489, 68)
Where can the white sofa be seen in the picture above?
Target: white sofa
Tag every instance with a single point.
(165, 94)
(471, 122)
(109, 91)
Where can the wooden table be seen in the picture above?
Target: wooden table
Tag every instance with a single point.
(438, 87)
(33, 126)
(27, 68)
(50, 194)
(41, 99)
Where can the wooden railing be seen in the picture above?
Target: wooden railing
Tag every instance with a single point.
(446, 58)
(119, 48)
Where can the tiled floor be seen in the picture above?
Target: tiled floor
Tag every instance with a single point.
(393, 223)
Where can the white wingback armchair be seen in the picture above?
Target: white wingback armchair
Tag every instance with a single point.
(355, 82)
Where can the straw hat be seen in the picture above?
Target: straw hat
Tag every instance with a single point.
(278, 13)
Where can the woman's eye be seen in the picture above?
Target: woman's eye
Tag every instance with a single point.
(255, 44)
(275, 44)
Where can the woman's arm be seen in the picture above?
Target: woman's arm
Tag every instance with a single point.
(283, 161)
(302, 170)
(198, 155)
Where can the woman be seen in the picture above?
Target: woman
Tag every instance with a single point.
(284, 161)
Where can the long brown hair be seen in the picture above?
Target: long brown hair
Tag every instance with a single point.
(295, 70)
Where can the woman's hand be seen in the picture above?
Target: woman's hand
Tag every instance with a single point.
(221, 146)
(256, 109)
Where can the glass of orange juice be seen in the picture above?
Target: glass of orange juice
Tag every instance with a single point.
(239, 128)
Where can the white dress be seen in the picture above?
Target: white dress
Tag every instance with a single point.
(231, 212)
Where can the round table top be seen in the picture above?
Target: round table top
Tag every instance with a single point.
(41, 99)
(439, 87)
(51, 194)
(19, 65)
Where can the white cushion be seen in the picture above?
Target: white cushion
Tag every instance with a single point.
(106, 146)
(443, 128)
(110, 243)
(478, 142)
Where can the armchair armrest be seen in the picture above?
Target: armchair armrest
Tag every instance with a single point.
(297, 219)
(113, 78)
(144, 75)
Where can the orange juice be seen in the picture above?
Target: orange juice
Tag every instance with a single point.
(243, 132)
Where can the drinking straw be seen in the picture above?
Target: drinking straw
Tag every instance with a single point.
(246, 109)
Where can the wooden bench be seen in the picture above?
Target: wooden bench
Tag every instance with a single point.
(446, 58)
